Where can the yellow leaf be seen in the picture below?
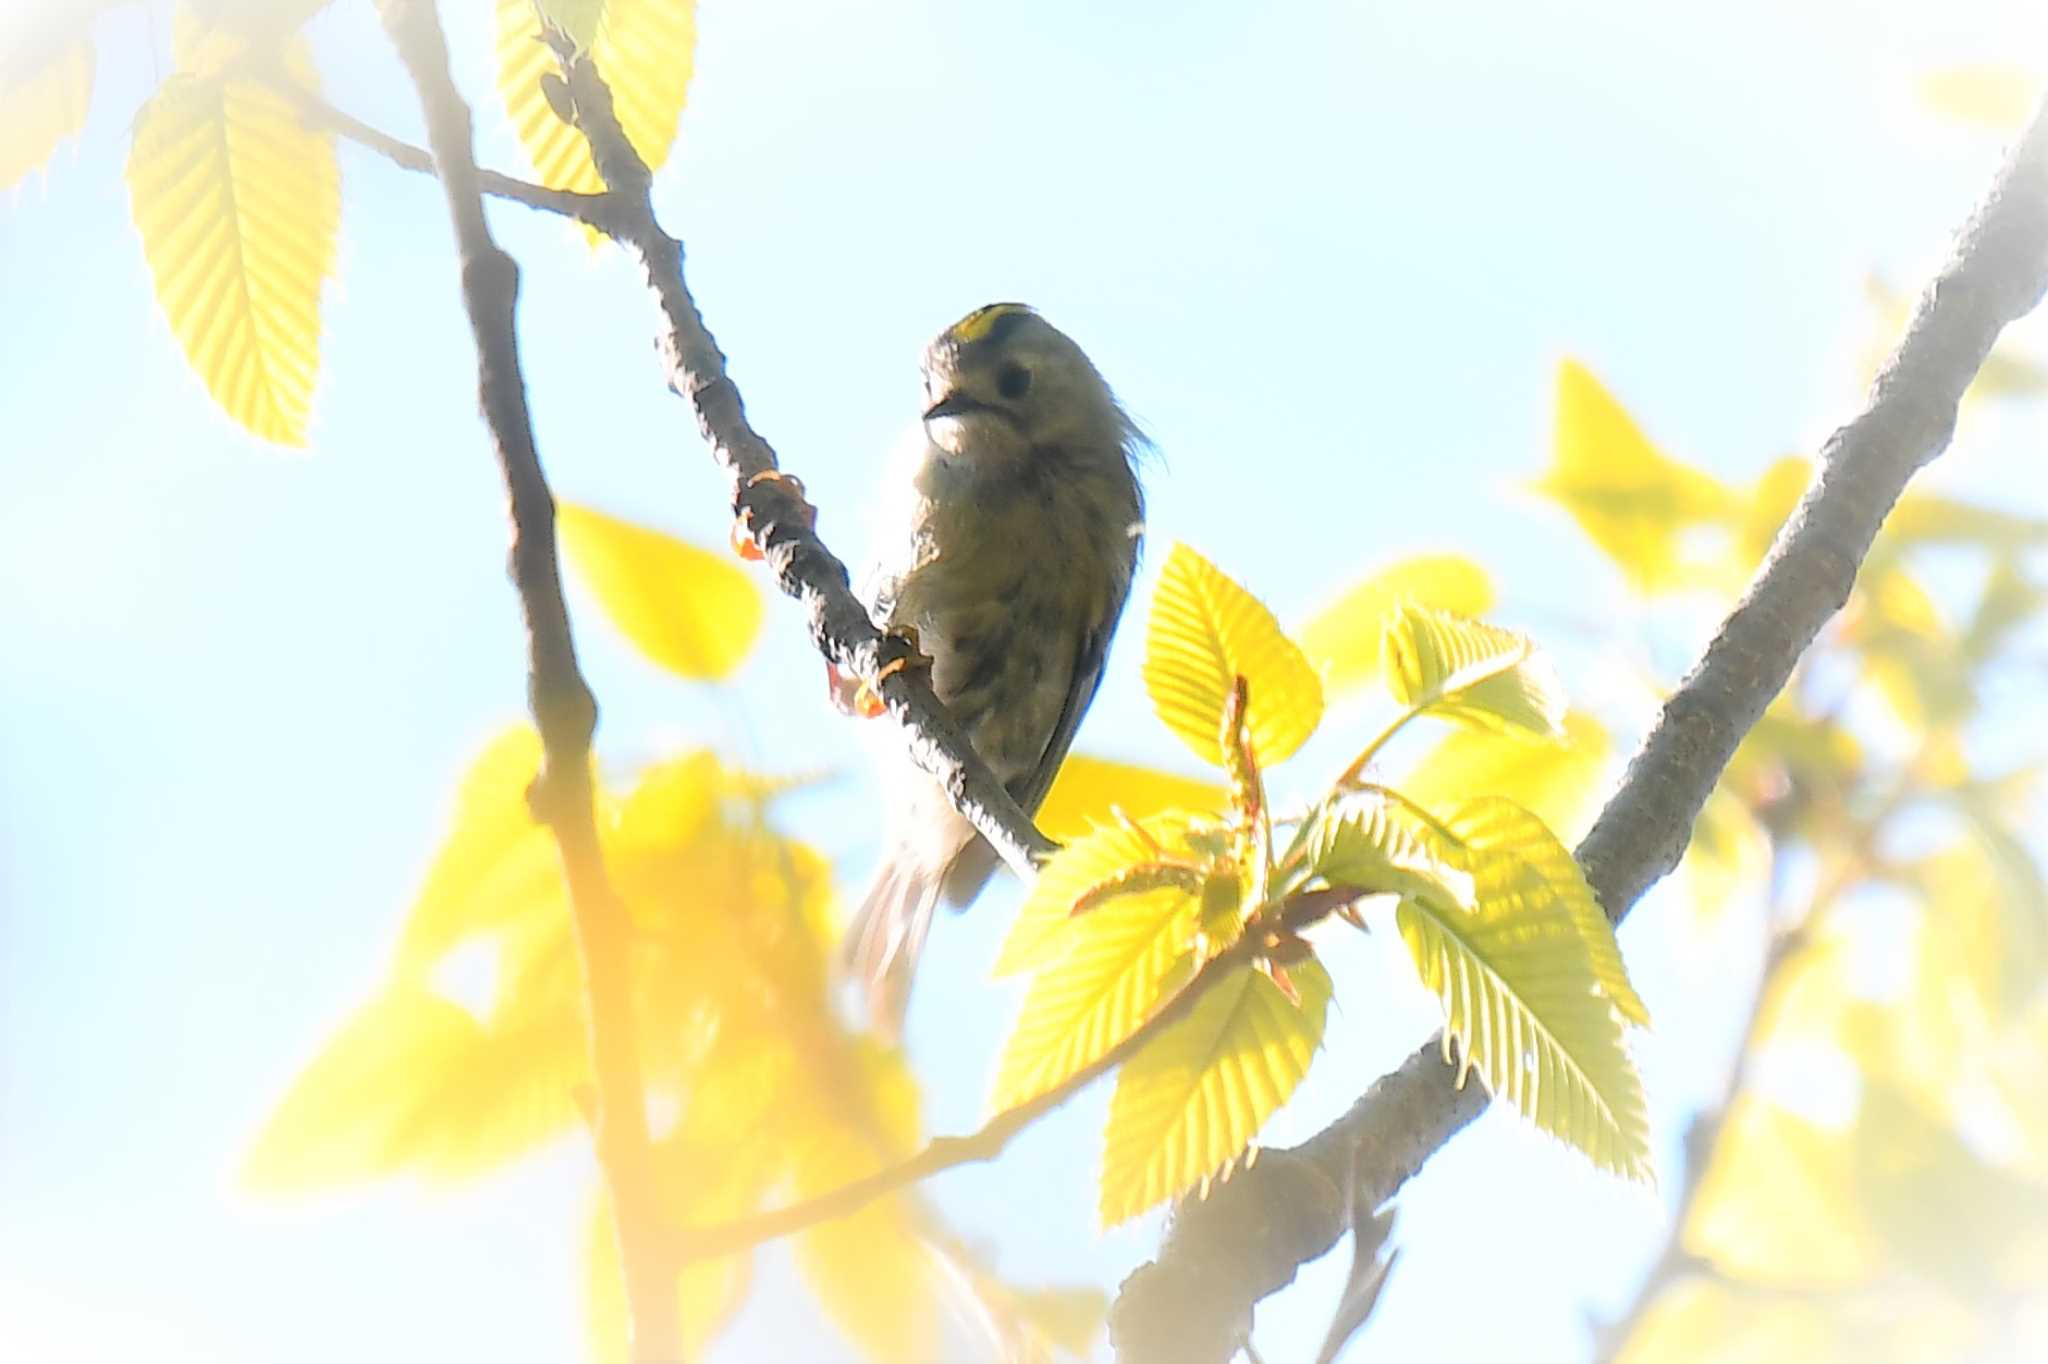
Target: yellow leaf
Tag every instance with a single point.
(644, 49)
(1470, 671)
(1999, 97)
(40, 108)
(578, 19)
(1045, 928)
(238, 206)
(1089, 790)
(497, 868)
(1628, 496)
(1778, 1203)
(1343, 639)
(1555, 778)
(708, 1292)
(1517, 981)
(1119, 960)
(1205, 632)
(1699, 1321)
(1519, 868)
(692, 611)
(1729, 854)
(367, 1105)
(1190, 1102)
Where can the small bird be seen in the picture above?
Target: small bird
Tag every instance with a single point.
(1006, 555)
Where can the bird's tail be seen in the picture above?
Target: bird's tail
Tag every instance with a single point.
(887, 934)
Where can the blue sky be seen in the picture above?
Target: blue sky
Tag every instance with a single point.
(1329, 257)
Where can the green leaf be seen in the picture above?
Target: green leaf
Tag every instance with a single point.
(1362, 842)
(1521, 997)
(1120, 959)
(1206, 632)
(1045, 928)
(1518, 865)
(692, 611)
(1469, 671)
(1190, 1102)
(238, 205)
(1343, 639)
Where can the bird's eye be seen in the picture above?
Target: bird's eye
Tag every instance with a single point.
(1013, 381)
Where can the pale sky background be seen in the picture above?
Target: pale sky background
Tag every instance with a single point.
(1329, 254)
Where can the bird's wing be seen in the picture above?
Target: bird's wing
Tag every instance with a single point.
(977, 861)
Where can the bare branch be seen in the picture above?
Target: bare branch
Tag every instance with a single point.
(561, 701)
(318, 113)
(772, 506)
(1207, 1270)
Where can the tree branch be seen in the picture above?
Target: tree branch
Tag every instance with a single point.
(988, 1141)
(771, 505)
(589, 209)
(1192, 1303)
(561, 701)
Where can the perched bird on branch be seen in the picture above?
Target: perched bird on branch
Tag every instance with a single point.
(1005, 556)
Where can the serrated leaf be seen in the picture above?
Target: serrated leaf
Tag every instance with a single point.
(1363, 843)
(1206, 631)
(1045, 927)
(692, 611)
(238, 206)
(645, 51)
(1631, 499)
(40, 108)
(1190, 1102)
(1470, 671)
(1995, 96)
(576, 19)
(1343, 639)
(1518, 988)
(1120, 960)
(1089, 791)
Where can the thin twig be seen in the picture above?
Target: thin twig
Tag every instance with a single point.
(772, 506)
(1996, 274)
(561, 701)
(988, 1141)
(591, 209)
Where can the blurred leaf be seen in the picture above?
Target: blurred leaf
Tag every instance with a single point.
(871, 1271)
(1769, 501)
(1629, 497)
(1117, 963)
(1519, 985)
(1190, 1102)
(1555, 778)
(367, 1105)
(1469, 671)
(1699, 1321)
(497, 867)
(645, 51)
(1088, 790)
(1206, 631)
(40, 107)
(2009, 600)
(1908, 650)
(692, 611)
(1985, 899)
(1343, 639)
(1729, 855)
(1779, 1203)
(1999, 97)
(238, 205)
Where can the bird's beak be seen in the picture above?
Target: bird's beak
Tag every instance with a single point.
(954, 404)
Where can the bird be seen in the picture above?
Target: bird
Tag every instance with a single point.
(1004, 553)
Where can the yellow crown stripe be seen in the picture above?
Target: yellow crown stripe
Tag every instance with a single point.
(982, 321)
